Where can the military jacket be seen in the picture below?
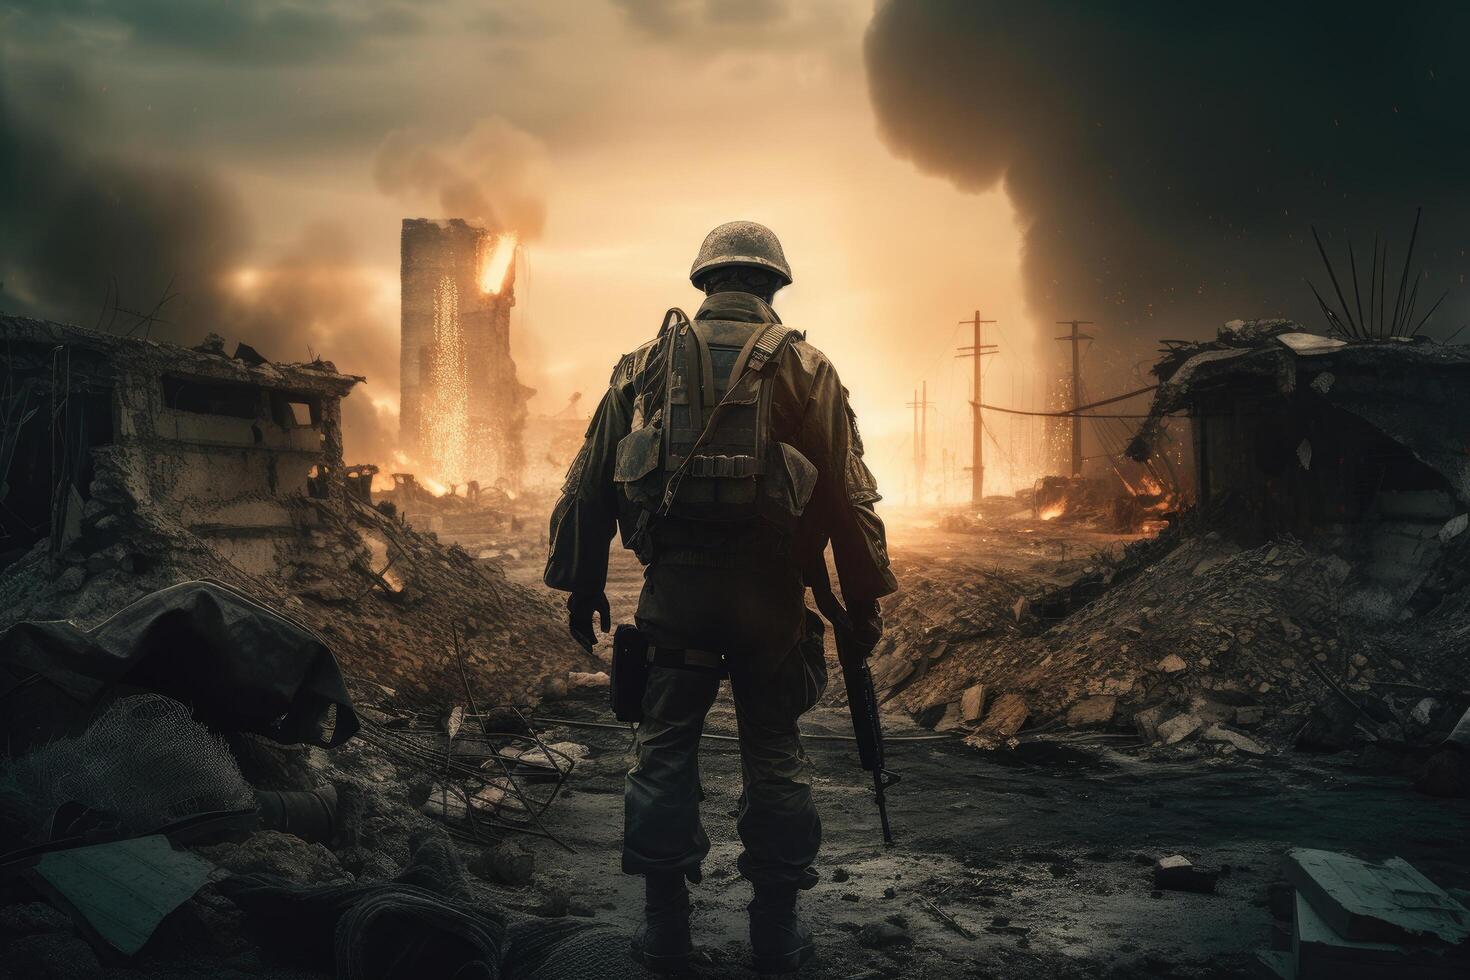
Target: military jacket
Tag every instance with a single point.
(809, 410)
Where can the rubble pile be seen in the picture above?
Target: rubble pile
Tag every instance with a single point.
(390, 600)
(1238, 650)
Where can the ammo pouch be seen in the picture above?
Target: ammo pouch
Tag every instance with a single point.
(693, 459)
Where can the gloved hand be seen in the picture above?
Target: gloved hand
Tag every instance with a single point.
(580, 607)
(867, 621)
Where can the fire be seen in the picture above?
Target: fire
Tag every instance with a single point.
(434, 486)
(495, 261)
(1053, 510)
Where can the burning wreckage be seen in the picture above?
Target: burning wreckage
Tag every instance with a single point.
(1317, 595)
(198, 597)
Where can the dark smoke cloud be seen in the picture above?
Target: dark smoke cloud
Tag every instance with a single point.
(78, 218)
(86, 230)
(1167, 160)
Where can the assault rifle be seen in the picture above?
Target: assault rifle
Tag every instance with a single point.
(862, 700)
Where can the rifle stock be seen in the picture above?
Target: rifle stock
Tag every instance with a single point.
(862, 699)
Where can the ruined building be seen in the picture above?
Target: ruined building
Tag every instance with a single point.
(128, 466)
(462, 410)
(1355, 446)
(221, 444)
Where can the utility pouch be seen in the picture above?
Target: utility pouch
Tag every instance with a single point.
(629, 674)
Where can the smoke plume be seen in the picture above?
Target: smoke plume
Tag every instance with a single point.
(1168, 160)
(495, 173)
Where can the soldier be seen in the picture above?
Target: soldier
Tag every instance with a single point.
(727, 454)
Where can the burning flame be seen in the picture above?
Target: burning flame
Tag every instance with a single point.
(495, 260)
(433, 486)
(1053, 510)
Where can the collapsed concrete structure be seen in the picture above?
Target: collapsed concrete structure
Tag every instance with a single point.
(130, 465)
(221, 443)
(462, 411)
(1357, 447)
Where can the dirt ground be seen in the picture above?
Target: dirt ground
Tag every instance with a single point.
(1042, 854)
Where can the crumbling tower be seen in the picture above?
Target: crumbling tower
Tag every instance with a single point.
(462, 411)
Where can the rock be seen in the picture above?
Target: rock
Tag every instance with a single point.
(1021, 608)
(1426, 713)
(840, 874)
(555, 688)
(1178, 728)
(50, 956)
(881, 935)
(575, 750)
(580, 679)
(972, 704)
(28, 918)
(274, 853)
(1250, 716)
(1007, 715)
(950, 720)
(1092, 711)
(1177, 873)
(1147, 721)
(507, 863)
(1172, 664)
(1246, 744)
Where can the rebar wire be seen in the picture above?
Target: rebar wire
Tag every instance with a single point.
(714, 737)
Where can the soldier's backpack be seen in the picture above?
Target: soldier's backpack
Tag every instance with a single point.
(696, 457)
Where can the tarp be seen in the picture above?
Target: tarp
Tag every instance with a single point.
(240, 665)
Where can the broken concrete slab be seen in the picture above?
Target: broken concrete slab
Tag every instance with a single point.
(1244, 743)
(1147, 721)
(1177, 873)
(1007, 715)
(1172, 664)
(1178, 728)
(1092, 711)
(1388, 902)
(972, 704)
(1319, 952)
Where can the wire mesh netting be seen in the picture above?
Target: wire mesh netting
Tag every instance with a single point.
(144, 762)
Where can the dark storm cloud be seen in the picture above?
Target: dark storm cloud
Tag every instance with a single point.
(78, 218)
(1168, 159)
(254, 31)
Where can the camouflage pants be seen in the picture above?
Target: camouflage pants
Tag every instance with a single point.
(777, 822)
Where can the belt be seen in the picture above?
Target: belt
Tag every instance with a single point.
(686, 658)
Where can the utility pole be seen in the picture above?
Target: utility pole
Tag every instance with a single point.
(1076, 338)
(920, 405)
(976, 351)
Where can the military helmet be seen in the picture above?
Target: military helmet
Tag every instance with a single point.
(741, 243)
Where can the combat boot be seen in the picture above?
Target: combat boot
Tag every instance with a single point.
(780, 941)
(662, 943)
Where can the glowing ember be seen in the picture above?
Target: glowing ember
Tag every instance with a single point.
(434, 486)
(495, 261)
(1053, 510)
(447, 415)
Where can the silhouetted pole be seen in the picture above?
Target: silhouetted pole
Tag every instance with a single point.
(977, 449)
(1076, 338)
(920, 405)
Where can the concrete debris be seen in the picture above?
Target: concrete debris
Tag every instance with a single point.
(1178, 728)
(1092, 711)
(1387, 902)
(1243, 743)
(205, 466)
(1172, 664)
(1007, 715)
(972, 704)
(1177, 873)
